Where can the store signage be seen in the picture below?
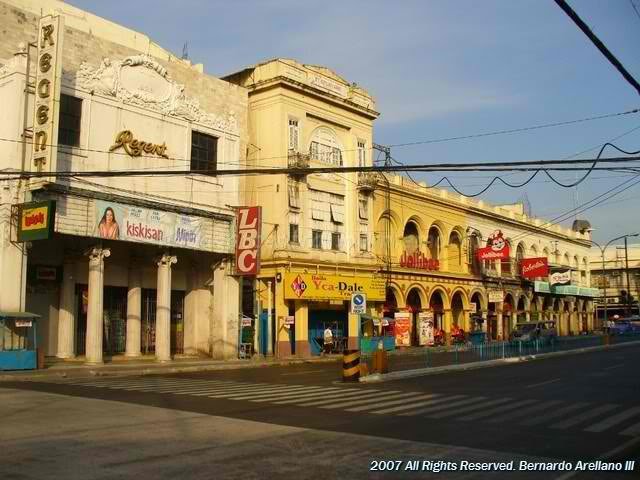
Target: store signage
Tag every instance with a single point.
(495, 296)
(325, 83)
(418, 260)
(560, 278)
(322, 287)
(248, 227)
(246, 321)
(36, 220)
(135, 147)
(23, 323)
(290, 320)
(534, 267)
(46, 273)
(498, 248)
(425, 328)
(358, 303)
(116, 221)
(47, 92)
(403, 329)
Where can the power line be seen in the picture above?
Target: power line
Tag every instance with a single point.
(514, 130)
(598, 43)
(635, 9)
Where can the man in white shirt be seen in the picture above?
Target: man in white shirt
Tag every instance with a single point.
(328, 340)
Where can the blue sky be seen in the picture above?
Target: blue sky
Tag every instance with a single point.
(439, 69)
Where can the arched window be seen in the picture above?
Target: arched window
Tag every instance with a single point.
(505, 263)
(455, 250)
(325, 147)
(474, 245)
(433, 243)
(411, 238)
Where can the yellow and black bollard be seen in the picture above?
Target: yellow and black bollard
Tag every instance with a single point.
(351, 366)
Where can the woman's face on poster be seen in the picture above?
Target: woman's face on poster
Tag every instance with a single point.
(109, 216)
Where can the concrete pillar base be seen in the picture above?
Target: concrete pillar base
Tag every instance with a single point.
(353, 343)
(284, 349)
(303, 349)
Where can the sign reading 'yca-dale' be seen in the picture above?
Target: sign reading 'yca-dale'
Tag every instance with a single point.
(36, 220)
(47, 92)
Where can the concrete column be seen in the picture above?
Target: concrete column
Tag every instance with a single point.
(447, 321)
(353, 342)
(499, 329)
(94, 308)
(282, 333)
(66, 317)
(191, 310)
(134, 309)
(485, 318)
(163, 308)
(302, 329)
(226, 310)
(269, 320)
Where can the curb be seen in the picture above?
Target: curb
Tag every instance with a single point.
(110, 371)
(423, 372)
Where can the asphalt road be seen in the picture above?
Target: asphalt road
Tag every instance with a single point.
(574, 407)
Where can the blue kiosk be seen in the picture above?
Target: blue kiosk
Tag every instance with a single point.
(18, 341)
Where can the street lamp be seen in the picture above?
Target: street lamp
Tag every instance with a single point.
(604, 283)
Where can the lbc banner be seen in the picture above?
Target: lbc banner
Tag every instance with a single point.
(248, 227)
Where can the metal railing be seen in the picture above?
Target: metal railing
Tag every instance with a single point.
(428, 357)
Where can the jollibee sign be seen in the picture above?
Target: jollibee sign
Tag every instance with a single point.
(497, 248)
(248, 227)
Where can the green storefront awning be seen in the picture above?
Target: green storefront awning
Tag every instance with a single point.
(574, 290)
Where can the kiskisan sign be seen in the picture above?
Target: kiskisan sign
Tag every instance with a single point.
(248, 227)
(47, 92)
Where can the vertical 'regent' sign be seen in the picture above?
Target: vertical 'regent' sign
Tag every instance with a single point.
(248, 226)
(47, 93)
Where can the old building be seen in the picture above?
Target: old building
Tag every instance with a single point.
(317, 232)
(621, 276)
(429, 239)
(132, 264)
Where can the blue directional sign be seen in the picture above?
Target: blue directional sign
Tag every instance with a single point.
(358, 303)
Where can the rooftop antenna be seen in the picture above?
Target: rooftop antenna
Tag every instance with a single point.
(185, 51)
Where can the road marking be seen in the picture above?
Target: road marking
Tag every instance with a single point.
(252, 390)
(213, 389)
(389, 395)
(470, 408)
(291, 393)
(174, 386)
(584, 416)
(458, 403)
(497, 410)
(432, 402)
(614, 366)
(361, 393)
(633, 430)
(525, 412)
(543, 383)
(412, 405)
(557, 413)
(613, 420)
(237, 388)
(390, 403)
(345, 393)
(302, 373)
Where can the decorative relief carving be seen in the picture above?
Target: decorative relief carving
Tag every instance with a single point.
(141, 81)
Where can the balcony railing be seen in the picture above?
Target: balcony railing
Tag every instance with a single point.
(300, 161)
(368, 181)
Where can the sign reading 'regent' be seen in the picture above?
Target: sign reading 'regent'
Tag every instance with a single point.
(135, 147)
(47, 92)
(249, 223)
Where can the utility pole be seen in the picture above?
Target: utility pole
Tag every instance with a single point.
(387, 207)
(626, 268)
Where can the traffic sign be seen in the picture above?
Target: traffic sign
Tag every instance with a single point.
(358, 303)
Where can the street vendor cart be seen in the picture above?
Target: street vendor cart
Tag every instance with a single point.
(18, 341)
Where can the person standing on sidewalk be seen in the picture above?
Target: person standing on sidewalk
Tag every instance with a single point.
(328, 340)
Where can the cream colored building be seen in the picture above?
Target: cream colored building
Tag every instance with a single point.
(160, 281)
(450, 228)
(317, 229)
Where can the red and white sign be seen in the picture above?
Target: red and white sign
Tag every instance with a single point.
(249, 224)
(418, 260)
(534, 267)
(497, 248)
(403, 329)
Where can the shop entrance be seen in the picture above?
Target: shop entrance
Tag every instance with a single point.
(148, 326)
(319, 320)
(114, 319)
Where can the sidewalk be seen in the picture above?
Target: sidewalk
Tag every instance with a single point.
(121, 366)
